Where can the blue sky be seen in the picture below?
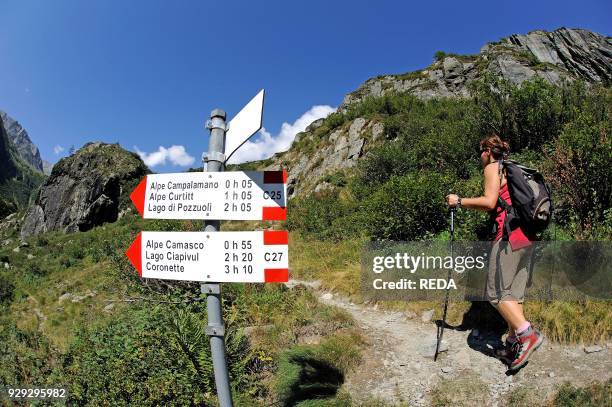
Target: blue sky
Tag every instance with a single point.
(147, 73)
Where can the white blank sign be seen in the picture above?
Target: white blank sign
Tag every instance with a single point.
(246, 123)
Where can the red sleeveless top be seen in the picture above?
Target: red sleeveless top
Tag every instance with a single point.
(517, 238)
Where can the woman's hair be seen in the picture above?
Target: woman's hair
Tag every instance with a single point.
(499, 148)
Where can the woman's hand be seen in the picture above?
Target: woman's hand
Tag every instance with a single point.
(452, 200)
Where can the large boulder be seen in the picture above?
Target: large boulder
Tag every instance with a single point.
(84, 190)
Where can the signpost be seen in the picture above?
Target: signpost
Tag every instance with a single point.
(211, 256)
(236, 195)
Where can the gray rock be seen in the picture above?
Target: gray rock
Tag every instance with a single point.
(593, 349)
(354, 150)
(327, 296)
(315, 125)
(446, 369)
(426, 316)
(551, 374)
(7, 266)
(355, 128)
(377, 131)
(109, 307)
(583, 53)
(65, 296)
(429, 350)
(513, 70)
(452, 67)
(30, 256)
(16, 250)
(47, 167)
(85, 190)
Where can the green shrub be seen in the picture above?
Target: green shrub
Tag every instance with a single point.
(309, 374)
(596, 394)
(152, 356)
(25, 355)
(324, 216)
(579, 168)
(439, 55)
(6, 208)
(7, 289)
(407, 207)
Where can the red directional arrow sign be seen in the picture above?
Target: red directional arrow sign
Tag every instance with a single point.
(247, 257)
(233, 195)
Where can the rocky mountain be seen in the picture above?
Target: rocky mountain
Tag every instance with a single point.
(84, 190)
(557, 55)
(563, 54)
(17, 179)
(22, 142)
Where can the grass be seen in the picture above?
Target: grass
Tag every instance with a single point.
(338, 266)
(467, 390)
(596, 394)
(567, 395)
(93, 262)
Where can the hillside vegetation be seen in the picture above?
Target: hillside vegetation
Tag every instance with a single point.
(74, 311)
(397, 191)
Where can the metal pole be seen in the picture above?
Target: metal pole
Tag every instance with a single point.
(448, 277)
(216, 329)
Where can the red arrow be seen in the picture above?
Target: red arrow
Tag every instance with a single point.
(138, 196)
(134, 253)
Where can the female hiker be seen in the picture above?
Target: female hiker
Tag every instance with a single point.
(508, 272)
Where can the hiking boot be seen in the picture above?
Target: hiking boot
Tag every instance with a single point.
(524, 347)
(507, 353)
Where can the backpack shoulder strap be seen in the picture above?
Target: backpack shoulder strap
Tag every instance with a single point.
(500, 201)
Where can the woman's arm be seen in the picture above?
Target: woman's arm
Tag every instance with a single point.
(488, 201)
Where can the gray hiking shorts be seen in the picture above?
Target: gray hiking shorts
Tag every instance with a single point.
(508, 272)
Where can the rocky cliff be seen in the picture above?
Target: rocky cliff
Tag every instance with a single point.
(564, 54)
(22, 142)
(557, 55)
(84, 190)
(18, 180)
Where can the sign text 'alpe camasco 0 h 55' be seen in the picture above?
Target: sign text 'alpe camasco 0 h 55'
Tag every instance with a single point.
(224, 257)
(248, 257)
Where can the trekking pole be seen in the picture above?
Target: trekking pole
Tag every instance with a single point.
(440, 332)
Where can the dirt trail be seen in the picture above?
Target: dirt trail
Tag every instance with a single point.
(395, 367)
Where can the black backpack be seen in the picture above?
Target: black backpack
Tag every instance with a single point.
(532, 206)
